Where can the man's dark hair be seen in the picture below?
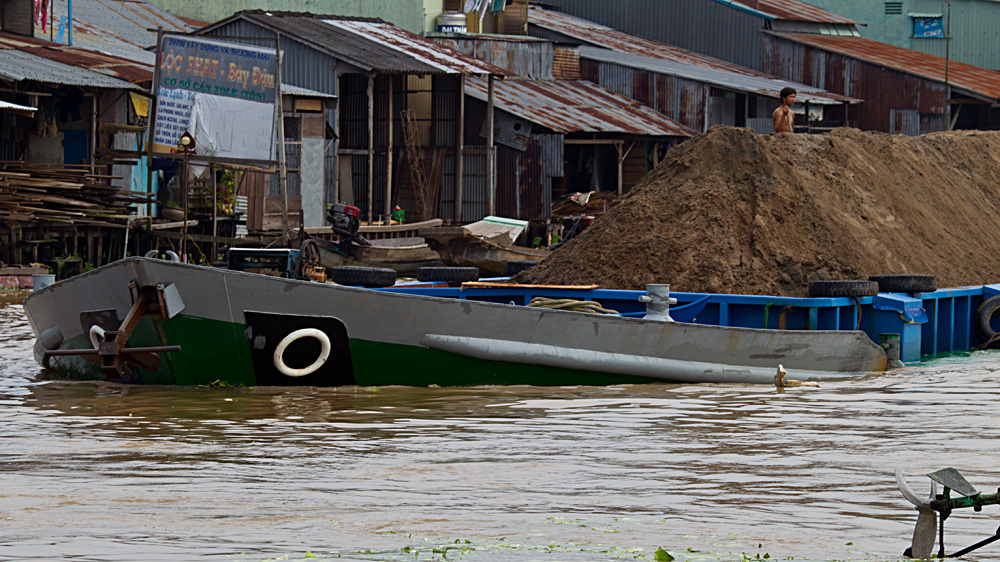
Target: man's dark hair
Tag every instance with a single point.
(785, 92)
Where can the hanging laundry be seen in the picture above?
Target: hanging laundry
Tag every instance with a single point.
(497, 5)
(41, 12)
(483, 6)
(46, 120)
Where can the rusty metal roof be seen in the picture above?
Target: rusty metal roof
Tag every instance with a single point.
(592, 33)
(758, 85)
(115, 27)
(791, 10)
(658, 57)
(575, 106)
(978, 81)
(370, 44)
(17, 66)
(79, 58)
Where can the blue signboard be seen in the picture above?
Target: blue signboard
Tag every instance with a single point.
(928, 28)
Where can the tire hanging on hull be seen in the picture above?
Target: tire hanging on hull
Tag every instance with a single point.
(297, 350)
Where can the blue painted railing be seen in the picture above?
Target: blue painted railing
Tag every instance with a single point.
(942, 321)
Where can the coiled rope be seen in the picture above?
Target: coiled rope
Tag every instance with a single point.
(570, 304)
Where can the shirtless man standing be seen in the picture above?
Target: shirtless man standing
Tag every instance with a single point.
(783, 118)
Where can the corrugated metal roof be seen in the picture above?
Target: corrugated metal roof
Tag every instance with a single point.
(20, 65)
(446, 60)
(79, 58)
(288, 89)
(595, 34)
(115, 27)
(575, 106)
(974, 79)
(734, 81)
(792, 10)
(369, 44)
(19, 109)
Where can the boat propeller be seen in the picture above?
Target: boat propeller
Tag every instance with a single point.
(933, 511)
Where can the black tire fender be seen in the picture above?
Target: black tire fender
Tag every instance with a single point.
(448, 274)
(363, 276)
(852, 288)
(909, 283)
(984, 314)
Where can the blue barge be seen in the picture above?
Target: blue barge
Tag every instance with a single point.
(941, 321)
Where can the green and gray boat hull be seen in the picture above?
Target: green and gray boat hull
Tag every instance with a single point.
(229, 326)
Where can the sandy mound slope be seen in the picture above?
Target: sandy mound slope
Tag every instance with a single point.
(736, 212)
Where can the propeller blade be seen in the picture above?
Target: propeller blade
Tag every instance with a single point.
(924, 534)
(908, 492)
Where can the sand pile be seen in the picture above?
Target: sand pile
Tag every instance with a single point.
(736, 212)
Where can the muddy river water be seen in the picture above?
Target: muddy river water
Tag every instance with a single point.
(101, 471)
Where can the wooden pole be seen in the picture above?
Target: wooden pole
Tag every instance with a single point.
(283, 172)
(336, 151)
(95, 116)
(388, 173)
(184, 183)
(460, 150)
(947, 60)
(618, 148)
(371, 143)
(215, 213)
(490, 194)
(150, 127)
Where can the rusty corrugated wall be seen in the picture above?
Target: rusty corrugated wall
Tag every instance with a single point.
(526, 58)
(680, 99)
(887, 93)
(566, 63)
(522, 180)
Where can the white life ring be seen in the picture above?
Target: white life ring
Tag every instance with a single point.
(96, 335)
(324, 353)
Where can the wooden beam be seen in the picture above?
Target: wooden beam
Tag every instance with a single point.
(207, 239)
(593, 141)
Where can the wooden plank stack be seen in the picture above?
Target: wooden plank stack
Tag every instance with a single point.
(55, 193)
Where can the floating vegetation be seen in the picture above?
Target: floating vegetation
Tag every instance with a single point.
(217, 384)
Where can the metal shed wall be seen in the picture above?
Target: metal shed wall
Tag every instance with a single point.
(680, 99)
(528, 59)
(974, 39)
(312, 69)
(888, 93)
(705, 26)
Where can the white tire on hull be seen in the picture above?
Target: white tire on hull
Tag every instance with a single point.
(324, 354)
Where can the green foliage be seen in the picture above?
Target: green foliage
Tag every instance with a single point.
(65, 269)
(663, 555)
(225, 191)
(216, 384)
